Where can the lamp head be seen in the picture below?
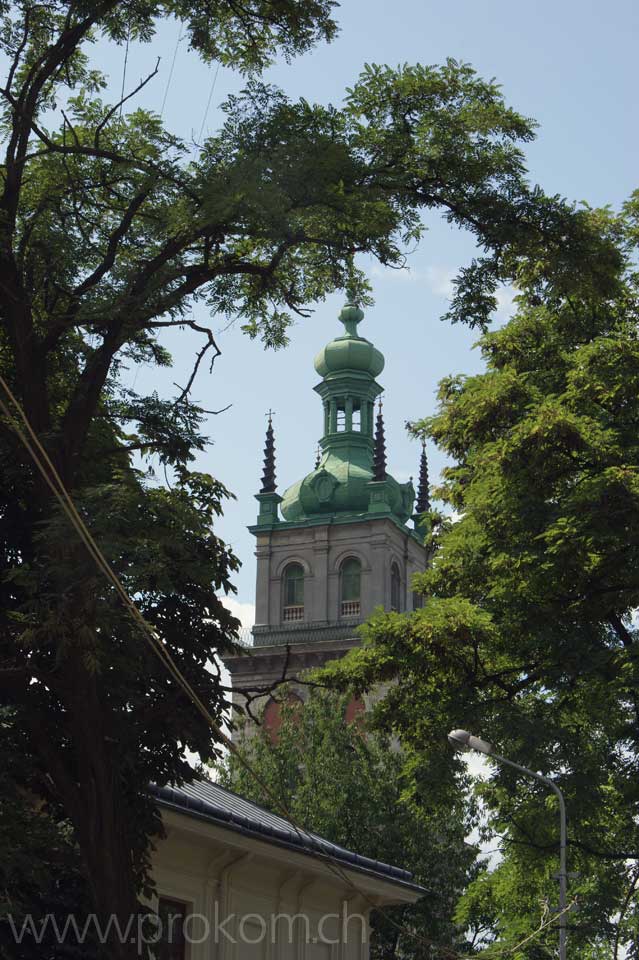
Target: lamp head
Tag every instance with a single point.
(464, 741)
(458, 739)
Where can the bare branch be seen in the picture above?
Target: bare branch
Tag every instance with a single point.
(213, 413)
(71, 128)
(121, 102)
(258, 692)
(209, 345)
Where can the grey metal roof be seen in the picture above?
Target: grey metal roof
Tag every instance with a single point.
(209, 801)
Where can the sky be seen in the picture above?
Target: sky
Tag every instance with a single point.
(569, 64)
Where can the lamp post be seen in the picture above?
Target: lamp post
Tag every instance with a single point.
(463, 741)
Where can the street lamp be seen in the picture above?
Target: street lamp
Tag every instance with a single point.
(463, 741)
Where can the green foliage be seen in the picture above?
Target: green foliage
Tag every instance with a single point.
(41, 870)
(111, 230)
(98, 714)
(347, 785)
(528, 632)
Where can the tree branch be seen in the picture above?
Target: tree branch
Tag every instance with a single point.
(44, 67)
(622, 632)
(209, 345)
(18, 54)
(572, 841)
(632, 890)
(71, 128)
(114, 241)
(120, 103)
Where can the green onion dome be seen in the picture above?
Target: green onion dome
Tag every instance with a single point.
(339, 485)
(350, 352)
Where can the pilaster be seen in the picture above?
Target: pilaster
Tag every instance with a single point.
(321, 545)
(263, 581)
(379, 501)
(268, 511)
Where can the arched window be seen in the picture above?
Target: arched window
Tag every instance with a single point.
(293, 593)
(395, 588)
(350, 588)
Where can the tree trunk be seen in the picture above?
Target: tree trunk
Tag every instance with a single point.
(90, 784)
(104, 831)
(109, 867)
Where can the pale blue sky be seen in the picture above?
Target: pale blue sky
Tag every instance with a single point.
(570, 64)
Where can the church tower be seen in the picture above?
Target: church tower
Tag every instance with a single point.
(336, 544)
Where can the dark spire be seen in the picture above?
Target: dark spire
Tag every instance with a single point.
(423, 499)
(379, 450)
(318, 456)
(268, 475)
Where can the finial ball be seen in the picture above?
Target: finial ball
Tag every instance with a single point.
(351, 314)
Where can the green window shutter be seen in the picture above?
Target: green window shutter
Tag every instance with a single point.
(351, 580)
(294, 586)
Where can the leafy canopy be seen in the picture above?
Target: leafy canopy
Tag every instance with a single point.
(111, 230)
(528, 633)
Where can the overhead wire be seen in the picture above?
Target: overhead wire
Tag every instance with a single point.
(208, 104)
(126, 60)
(47, 469)
(172, 68)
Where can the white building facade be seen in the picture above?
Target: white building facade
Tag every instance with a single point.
(236, 882)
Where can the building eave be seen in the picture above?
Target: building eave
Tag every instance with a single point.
(336, 519)
(309, 846)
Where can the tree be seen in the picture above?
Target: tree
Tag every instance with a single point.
(528, 633)
(110, 232)
(345, 784)
(41, 872)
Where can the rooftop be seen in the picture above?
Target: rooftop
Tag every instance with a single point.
(209, 801)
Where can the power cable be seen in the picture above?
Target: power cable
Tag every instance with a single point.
(208, 103)
(126, 60)
(170, 77)
(53, 480)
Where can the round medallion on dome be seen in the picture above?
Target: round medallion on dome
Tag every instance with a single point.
(323, 484)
